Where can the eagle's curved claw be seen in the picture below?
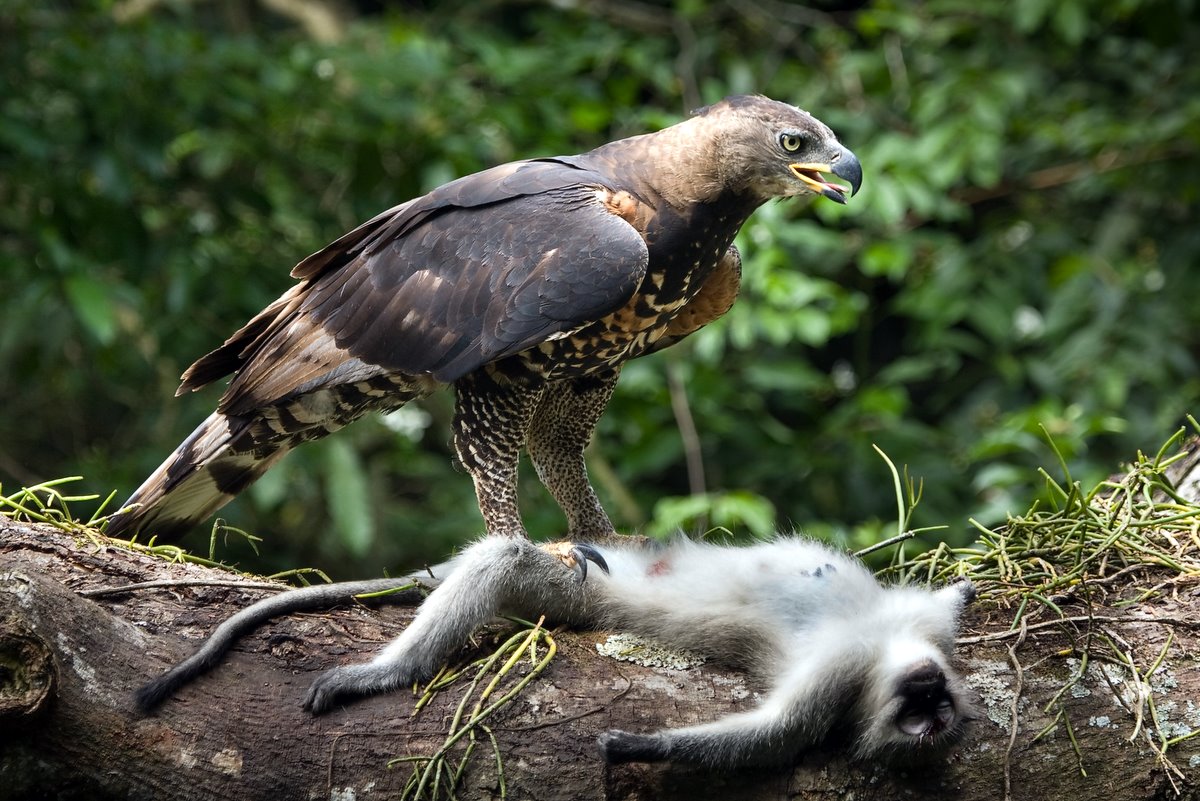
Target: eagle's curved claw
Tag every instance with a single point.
(581, 554)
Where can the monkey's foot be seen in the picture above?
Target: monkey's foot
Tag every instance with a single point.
(576, 556)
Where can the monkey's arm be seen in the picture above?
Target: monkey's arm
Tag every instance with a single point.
(796, 714)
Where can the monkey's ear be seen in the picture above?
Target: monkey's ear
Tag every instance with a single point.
(960, 593)
(966, 589)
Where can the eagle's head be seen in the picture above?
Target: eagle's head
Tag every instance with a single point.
(773, 150)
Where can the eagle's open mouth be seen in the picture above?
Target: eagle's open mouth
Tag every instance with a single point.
(813, 176)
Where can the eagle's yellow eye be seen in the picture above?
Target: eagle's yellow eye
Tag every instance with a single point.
(791, 142)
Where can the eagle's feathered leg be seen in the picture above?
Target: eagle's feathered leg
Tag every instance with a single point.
(491, 418)
(561, 428)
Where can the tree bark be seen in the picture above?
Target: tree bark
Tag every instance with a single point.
(69, 664)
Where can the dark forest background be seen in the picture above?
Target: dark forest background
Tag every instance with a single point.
(1023, 256)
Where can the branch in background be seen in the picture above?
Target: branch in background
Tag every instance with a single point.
(794, 14)
(631, 14)
(1060, 174)
(687, 430)
(323, 20)
(628, 509)
(685, 62)
(17, 470)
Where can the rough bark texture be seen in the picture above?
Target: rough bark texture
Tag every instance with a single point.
(69, 665)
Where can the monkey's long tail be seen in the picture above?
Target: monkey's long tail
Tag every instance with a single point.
(203, 474)
(320, 596)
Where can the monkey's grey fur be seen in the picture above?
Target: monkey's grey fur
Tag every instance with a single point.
(833, 647)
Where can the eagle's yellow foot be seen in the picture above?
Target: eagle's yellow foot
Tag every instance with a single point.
(576, 556)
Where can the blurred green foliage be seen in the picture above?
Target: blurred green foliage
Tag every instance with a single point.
(1022, 254)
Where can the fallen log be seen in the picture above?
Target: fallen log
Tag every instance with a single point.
(1097, 702)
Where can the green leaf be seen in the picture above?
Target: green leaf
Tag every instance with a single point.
(93, 304)
(740, 508)
(1030, 13)
(729, 510)
(1071, 21)
(890, 258)
(348, 497)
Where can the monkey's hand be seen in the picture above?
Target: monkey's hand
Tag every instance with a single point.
(356, 681)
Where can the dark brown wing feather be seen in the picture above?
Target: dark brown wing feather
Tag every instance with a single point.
(494, 185)
(490, 186)
(471, 286)
(481, 268)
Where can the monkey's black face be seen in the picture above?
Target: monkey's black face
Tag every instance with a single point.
(912, 704)
(926, 704)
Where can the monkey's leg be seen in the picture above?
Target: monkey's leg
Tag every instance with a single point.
(560, 430)
(496, 573)
(796, 714)
(491, 419)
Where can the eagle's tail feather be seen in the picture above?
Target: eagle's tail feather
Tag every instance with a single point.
(229, 451)
(203, 474)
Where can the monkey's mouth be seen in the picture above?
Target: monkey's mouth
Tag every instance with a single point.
(926, 717)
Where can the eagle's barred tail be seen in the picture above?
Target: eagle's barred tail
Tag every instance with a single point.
(229, 452)
(203, 474)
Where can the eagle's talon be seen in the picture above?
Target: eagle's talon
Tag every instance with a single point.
(581, 554)
(575, 556)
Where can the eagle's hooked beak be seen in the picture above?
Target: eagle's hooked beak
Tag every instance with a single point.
(844, 165)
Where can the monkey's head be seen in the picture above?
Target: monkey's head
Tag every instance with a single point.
(912, 699)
